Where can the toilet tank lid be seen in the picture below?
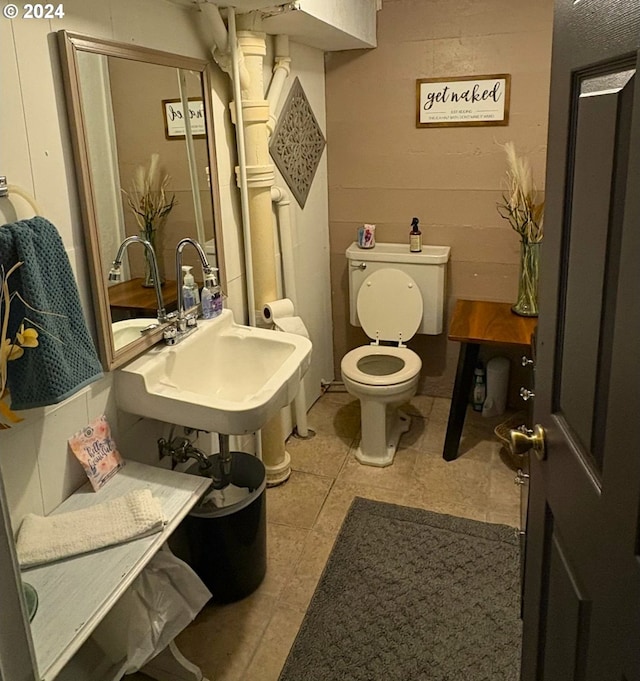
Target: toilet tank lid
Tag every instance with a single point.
(390, 306)
(383, 252)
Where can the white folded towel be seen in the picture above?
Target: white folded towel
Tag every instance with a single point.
(43, 540)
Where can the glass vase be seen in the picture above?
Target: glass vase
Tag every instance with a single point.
(150, 236)
(527, 302)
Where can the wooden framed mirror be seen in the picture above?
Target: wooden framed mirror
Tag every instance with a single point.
(126, 104)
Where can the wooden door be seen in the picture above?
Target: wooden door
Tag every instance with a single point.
(582, 572)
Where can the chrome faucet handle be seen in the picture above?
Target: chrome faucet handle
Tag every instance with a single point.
(170, 335)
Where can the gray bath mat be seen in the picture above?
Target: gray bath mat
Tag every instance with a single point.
(410, 595)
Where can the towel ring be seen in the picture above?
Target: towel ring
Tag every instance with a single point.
(6, 190)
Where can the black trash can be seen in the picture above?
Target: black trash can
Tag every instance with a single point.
(227, 547)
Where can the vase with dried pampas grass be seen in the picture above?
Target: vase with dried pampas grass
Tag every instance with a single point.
(150, 205)
(524, 210)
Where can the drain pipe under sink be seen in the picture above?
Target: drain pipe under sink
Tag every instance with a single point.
(283, 208)
(280, 198)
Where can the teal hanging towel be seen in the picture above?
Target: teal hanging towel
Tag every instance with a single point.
(65, 360)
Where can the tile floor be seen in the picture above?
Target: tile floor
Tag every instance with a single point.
(250, 640)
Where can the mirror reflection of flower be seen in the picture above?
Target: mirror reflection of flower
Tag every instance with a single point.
(150, 205)
(11, 349)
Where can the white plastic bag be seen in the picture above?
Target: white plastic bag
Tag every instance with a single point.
(164, 598)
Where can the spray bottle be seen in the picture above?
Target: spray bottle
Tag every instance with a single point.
(415, 237)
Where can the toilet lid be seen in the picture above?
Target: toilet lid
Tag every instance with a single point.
(389, 305)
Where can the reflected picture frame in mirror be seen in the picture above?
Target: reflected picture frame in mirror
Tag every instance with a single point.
(107, 301)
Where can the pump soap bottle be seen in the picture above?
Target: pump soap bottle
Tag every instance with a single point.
(211, 295)
(190, 295)
(415, 237)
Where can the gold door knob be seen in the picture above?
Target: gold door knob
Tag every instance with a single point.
(521, 441)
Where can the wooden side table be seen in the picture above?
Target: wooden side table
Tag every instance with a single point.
(139, 301)
(475, 323)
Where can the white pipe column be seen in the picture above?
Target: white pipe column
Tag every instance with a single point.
(241, 174)
(260, 177)
(283, 211)
(283, 208)
(223, 50)
(281, 70)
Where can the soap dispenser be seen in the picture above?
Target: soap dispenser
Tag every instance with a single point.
(190, 295)
(211, 295)
(415, 237)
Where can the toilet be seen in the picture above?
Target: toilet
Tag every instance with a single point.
(393, 294)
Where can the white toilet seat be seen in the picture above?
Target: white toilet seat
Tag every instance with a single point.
(360, 365)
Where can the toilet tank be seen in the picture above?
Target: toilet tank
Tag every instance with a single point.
(427, 268)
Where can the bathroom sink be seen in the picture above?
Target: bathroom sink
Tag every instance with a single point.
(225, 377)
(128, 330)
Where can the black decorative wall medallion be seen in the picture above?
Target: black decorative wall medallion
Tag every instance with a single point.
(297, 143)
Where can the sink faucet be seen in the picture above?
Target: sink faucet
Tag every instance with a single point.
(115, 274)
(181, 449)
(206, 269)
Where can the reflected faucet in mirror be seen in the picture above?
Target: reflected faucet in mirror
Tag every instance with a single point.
(187, 319)
(115, 273)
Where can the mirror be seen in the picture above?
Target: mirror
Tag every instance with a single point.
(126, 107)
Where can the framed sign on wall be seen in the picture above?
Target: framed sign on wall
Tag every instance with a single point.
(174, 127)
(463, 101)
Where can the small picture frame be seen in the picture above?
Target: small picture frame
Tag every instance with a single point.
(464, 101)
(174, 124)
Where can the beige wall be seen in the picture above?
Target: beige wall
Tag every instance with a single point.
(383, 170)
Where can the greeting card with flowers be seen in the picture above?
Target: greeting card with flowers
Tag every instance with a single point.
(96, 450)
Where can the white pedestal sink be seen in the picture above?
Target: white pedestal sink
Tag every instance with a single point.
(225, 378)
